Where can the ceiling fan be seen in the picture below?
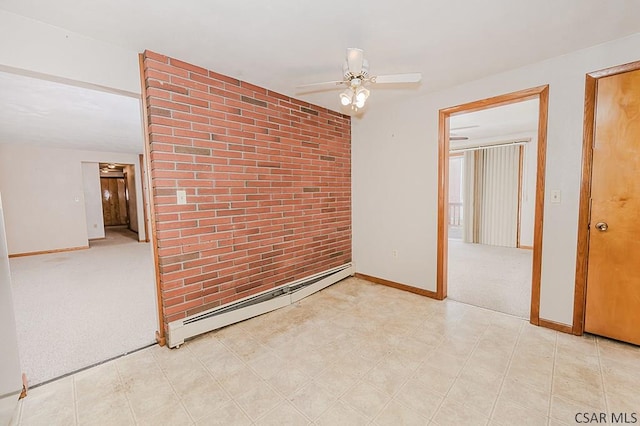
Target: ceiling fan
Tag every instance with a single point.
(456, 137)
(356, 77)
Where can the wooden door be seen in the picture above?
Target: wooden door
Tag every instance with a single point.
(114, 202)
(613, 274)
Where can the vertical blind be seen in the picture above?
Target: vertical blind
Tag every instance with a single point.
(468, 228)
(491, 196)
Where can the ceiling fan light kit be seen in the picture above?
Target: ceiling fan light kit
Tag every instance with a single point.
(346, 97)
(356, 76)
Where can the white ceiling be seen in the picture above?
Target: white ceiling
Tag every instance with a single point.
(494, 124)
(279, 44)
(56, 115)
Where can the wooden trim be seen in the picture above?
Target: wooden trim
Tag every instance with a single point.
(618, 69)
(520, 170)
(584, 211)
(36, 253)
(160, 333)
(526, 247)
(443, 191)
(25, 387)
(144, 188)
(496, 101)
(404, 287)
(582, 254)
(538, 217)
(564, 328)
(542, 94)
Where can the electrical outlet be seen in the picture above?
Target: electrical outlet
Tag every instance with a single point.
(181, 195)
(556, 196)
(394, 253)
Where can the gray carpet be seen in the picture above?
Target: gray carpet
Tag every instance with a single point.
(496, 278)
(78, 308)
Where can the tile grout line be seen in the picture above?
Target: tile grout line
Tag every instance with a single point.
(604, 391)
(530, 385)
(420, 365)
(466, 361)
(133, 414)
(361, 379)
(75, 399)
(358, 380)
(504, 377)
(424, 361)
(312, 378)
(553, 374)
(155, 360)
(409, 377)
(273, 388)
(248, 367)
(19, 422)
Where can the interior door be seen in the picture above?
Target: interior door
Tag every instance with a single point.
(10, 375)
(613, 281)
(114, 203)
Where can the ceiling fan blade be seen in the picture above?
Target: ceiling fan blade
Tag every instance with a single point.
(355, 58)
(473, 126)
(413, 77)
(321, 86)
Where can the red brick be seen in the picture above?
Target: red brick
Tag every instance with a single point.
(187, 66)
(249, 224)
(153, 56)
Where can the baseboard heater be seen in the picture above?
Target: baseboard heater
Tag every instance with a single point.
(252, 306)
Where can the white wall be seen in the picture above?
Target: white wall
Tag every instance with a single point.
(10, 374)
(530, 164)
(395, 162)
(36, 47)
(44, 195)
(92, 200)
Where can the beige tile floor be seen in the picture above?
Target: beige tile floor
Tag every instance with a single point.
(355, 353)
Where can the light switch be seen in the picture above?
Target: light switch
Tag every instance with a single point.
(182, 196)
(556, 196)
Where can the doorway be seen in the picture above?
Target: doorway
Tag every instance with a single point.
(77, 303)
(119, 201)
(607, 291)
(446, 135)
(492, 165)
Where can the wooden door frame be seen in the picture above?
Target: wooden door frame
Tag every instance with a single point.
(582, 256)
(542, 94)
(143, 184)
(160, 333)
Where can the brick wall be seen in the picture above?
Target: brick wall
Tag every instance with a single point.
(268, 183)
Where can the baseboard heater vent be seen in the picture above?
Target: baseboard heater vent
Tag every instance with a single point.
(252, 306)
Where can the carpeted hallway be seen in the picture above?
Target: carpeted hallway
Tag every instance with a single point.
(496, 278)
(75, 309)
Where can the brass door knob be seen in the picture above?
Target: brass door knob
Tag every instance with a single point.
(602, 226)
